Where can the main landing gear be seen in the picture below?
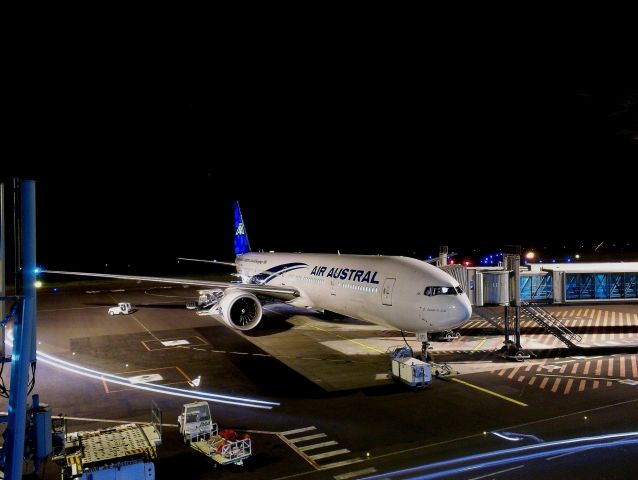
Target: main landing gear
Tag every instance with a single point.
(446, 336)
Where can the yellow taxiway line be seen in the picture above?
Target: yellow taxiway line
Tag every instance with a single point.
(344, 338)
(490, 392)
(478, 345)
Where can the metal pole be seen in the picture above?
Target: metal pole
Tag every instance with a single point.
(3, 288)
(2, 253)
(24, 337)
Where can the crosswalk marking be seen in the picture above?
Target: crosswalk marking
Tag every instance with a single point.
(556, 384)
(308, 437)
(514, 370)
(318, 445)
(316, 458)
(341, 464)
(358, 473)
(579, 373)
(333, 453)
(298, 430)
(568, 387)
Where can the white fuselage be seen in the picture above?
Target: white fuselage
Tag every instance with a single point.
(388, 291)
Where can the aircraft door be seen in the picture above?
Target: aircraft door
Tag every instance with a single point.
(386, 294)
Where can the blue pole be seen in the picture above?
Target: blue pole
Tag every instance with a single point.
(23, 338)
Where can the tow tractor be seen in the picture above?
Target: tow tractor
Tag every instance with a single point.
(203, 435)
(123, 308)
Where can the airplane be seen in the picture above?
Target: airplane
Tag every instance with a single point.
(396, 292)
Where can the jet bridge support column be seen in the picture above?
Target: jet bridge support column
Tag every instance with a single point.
(513, 348)
(443, 253)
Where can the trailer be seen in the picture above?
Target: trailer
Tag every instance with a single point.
(203, 435)
(123, 452)
(411, 371)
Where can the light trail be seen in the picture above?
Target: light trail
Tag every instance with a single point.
(161, 389)
(521, 449)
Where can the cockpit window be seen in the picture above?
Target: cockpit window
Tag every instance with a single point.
(432, 291)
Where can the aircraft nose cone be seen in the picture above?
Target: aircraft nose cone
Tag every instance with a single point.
(466, 308)
(462, 311)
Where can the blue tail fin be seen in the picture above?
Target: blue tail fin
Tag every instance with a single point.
(241, 239)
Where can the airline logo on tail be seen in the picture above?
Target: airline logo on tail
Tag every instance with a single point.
(241, 239)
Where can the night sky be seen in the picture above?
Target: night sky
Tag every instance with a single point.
(129, 178)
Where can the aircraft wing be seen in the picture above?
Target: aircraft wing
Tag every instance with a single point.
(282, 293)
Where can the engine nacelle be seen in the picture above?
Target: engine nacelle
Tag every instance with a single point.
(241, 310)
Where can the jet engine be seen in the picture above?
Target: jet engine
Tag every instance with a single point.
(241, 310)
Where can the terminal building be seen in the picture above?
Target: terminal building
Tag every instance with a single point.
(558, 283)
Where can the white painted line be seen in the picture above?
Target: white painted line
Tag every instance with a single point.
(298, 430)
(93, 291)
(318, 445)
(497, 473)
(333, 453)
(118, 290)
(174, 343)
(358, 473)
(341, 464)
(239, 353)
(309, 437)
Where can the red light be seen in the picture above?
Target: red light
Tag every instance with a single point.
(451, 262)
(467, 263)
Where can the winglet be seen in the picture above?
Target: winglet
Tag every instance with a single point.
(241, 239)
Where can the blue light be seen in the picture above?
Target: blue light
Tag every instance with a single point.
(55, 289)
(568, 445)
(37, 270)
(553, 260)
(569, 260)
(430, 257)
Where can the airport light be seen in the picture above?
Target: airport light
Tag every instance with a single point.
(37, 284)
(530, 255)
(577, 256)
